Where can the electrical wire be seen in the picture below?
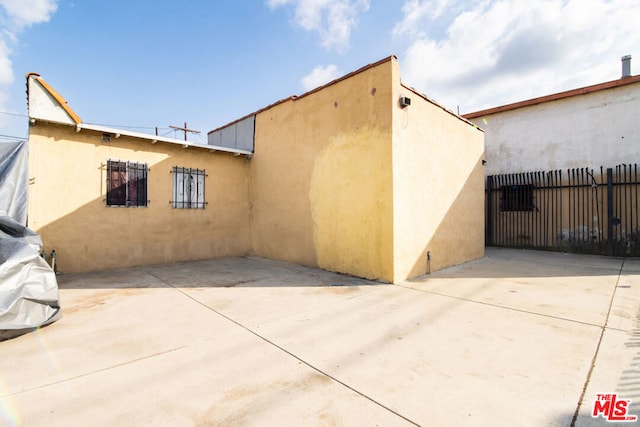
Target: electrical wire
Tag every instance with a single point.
(14, 114)
(166, 131)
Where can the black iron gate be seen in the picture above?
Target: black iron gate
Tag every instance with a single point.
(575, 210)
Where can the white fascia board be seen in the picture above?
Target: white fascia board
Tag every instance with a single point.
(228, 150)
(152, 138)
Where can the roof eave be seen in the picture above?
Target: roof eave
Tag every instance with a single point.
(554, 97)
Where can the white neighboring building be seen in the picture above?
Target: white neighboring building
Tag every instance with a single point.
(592, 126)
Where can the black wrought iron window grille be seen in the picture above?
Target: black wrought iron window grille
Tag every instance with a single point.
(517, 198)
(188, 188)
(126, 184)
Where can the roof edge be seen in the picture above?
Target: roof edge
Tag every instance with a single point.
(445, 109)
(554, 97)
(317, 89)
(59, 99)
(153, 139)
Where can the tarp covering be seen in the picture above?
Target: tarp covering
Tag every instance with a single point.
(14, 180)
(28, 285)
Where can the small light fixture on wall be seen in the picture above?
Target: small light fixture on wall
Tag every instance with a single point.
(405, 101)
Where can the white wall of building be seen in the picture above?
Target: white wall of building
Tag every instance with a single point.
(601, 128)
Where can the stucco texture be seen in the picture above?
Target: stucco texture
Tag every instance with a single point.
(321, 181)
(342, 178)
(67, 202)
(595, 129)
(438, 188)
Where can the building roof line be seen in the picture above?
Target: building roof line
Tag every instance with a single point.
(153, 139)
(317, 89)
(59, 99)
(445, 109)
(554, 97)
(80, 125)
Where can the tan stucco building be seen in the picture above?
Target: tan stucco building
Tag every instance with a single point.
(362, 176)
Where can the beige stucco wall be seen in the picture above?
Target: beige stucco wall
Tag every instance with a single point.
(342, 178)
(67, 202)
(321, 178)
(438, 195)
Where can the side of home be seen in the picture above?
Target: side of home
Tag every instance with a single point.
(363, 176)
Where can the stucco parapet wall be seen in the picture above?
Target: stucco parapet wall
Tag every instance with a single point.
(312, 91)
(554, 97)
(339, 79)
(431, 101)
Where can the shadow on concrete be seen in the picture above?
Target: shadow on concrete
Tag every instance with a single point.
(514, 263)
(214, 273)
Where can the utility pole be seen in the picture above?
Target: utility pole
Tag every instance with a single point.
(185, 129)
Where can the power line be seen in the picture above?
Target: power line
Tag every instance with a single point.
(13, 114)
(166, 130)
(185, 129)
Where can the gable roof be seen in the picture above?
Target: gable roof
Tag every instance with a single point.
(554, 97)
(57, 101)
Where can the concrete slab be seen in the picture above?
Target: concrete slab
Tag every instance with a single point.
(510, 339)
(617, 366)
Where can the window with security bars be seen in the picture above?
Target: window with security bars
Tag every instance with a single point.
(517, 198)
(126, 183)
(188, 188)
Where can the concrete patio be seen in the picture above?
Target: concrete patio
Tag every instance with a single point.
(517, 338)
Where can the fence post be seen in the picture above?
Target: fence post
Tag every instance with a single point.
(489, 237)
(609, 211)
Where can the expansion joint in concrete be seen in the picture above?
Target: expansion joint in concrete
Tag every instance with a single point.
(597, 350)
(284, 350)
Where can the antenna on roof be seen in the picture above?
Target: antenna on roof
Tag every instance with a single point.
(185, 129)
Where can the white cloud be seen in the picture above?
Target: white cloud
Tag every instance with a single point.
(275, 3)
(22, 13)
(333, 20)
(486, 53)
(319, 76)
(414, 11)
(6, 70)
(15, 16)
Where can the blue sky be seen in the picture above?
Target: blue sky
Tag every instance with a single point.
(138, 64)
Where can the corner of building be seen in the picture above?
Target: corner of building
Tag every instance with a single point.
(438, 186)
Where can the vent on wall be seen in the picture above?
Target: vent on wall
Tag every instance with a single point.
(405, 101)
(626, 66)
(106, 138)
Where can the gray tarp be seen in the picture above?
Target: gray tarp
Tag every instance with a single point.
(14, 180)
(28, 286)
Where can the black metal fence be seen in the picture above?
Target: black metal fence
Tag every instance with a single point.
(575, 210)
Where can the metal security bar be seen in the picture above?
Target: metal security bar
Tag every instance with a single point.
(188, 188)
(126, 183)
(574, 210)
